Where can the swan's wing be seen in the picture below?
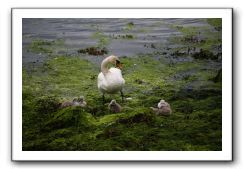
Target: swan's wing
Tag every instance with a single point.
(118, 74)
(112, 82)
(115, 70)
(101, 81)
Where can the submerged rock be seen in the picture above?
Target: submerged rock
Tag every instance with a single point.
(205, 54)
(47, 104)
(94, 51)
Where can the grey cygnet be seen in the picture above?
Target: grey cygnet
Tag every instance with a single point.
(114, 107)
(162, 109)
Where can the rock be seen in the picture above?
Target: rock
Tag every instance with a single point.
(47, 104)
(218, 77)
(96, 51)
(205, 54)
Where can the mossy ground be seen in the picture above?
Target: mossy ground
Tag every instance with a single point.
(196, 101)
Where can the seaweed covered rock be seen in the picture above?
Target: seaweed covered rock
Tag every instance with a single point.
(199, 93)
(68, 117)
(185, 107)
(145, 117)
(47, 104)
(218, 77)
(94, 51)
(205, 54)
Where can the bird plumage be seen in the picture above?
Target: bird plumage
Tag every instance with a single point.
(110, 81)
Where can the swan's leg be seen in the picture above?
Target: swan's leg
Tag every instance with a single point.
(122, 95)
(103, 98)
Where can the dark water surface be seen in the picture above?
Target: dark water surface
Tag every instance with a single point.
(79, 33)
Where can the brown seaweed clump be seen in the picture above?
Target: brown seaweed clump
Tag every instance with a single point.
(96, 51)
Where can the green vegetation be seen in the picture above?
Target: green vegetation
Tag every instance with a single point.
(192, 87)
(129, 26)
(199, 40)
(194, 125)
(216, 22)
(103, 40)
(44, 46)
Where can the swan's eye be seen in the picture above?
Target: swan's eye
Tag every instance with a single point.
(118, 64)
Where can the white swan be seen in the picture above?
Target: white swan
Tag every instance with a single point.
(110, 80)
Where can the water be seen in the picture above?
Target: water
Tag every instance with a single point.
(79, 33)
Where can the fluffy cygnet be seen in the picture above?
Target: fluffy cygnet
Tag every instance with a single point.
(163, 108)
(69, 103)
(162, 104)
(114, 107)
(80, 102)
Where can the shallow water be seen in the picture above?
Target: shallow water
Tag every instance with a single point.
(78, 34)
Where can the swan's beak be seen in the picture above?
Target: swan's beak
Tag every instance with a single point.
(119, 64)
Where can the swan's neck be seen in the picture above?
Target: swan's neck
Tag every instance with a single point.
(104, 66)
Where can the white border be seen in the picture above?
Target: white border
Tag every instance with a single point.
(19, 155)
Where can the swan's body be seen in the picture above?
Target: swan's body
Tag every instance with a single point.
(110, 80)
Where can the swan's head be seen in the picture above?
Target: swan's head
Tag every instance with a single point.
(115, 60)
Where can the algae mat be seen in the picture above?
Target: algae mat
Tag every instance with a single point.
(178, 60)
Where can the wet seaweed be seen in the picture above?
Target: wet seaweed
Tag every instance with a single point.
(193, 87)
(96, 51)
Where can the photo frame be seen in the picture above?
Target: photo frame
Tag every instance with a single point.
(18, 16)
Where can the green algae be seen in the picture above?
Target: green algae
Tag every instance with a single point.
(194, 125)
(192, 87)
(204, 42)
(102, 39)
(44, 46)
(216, 23)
